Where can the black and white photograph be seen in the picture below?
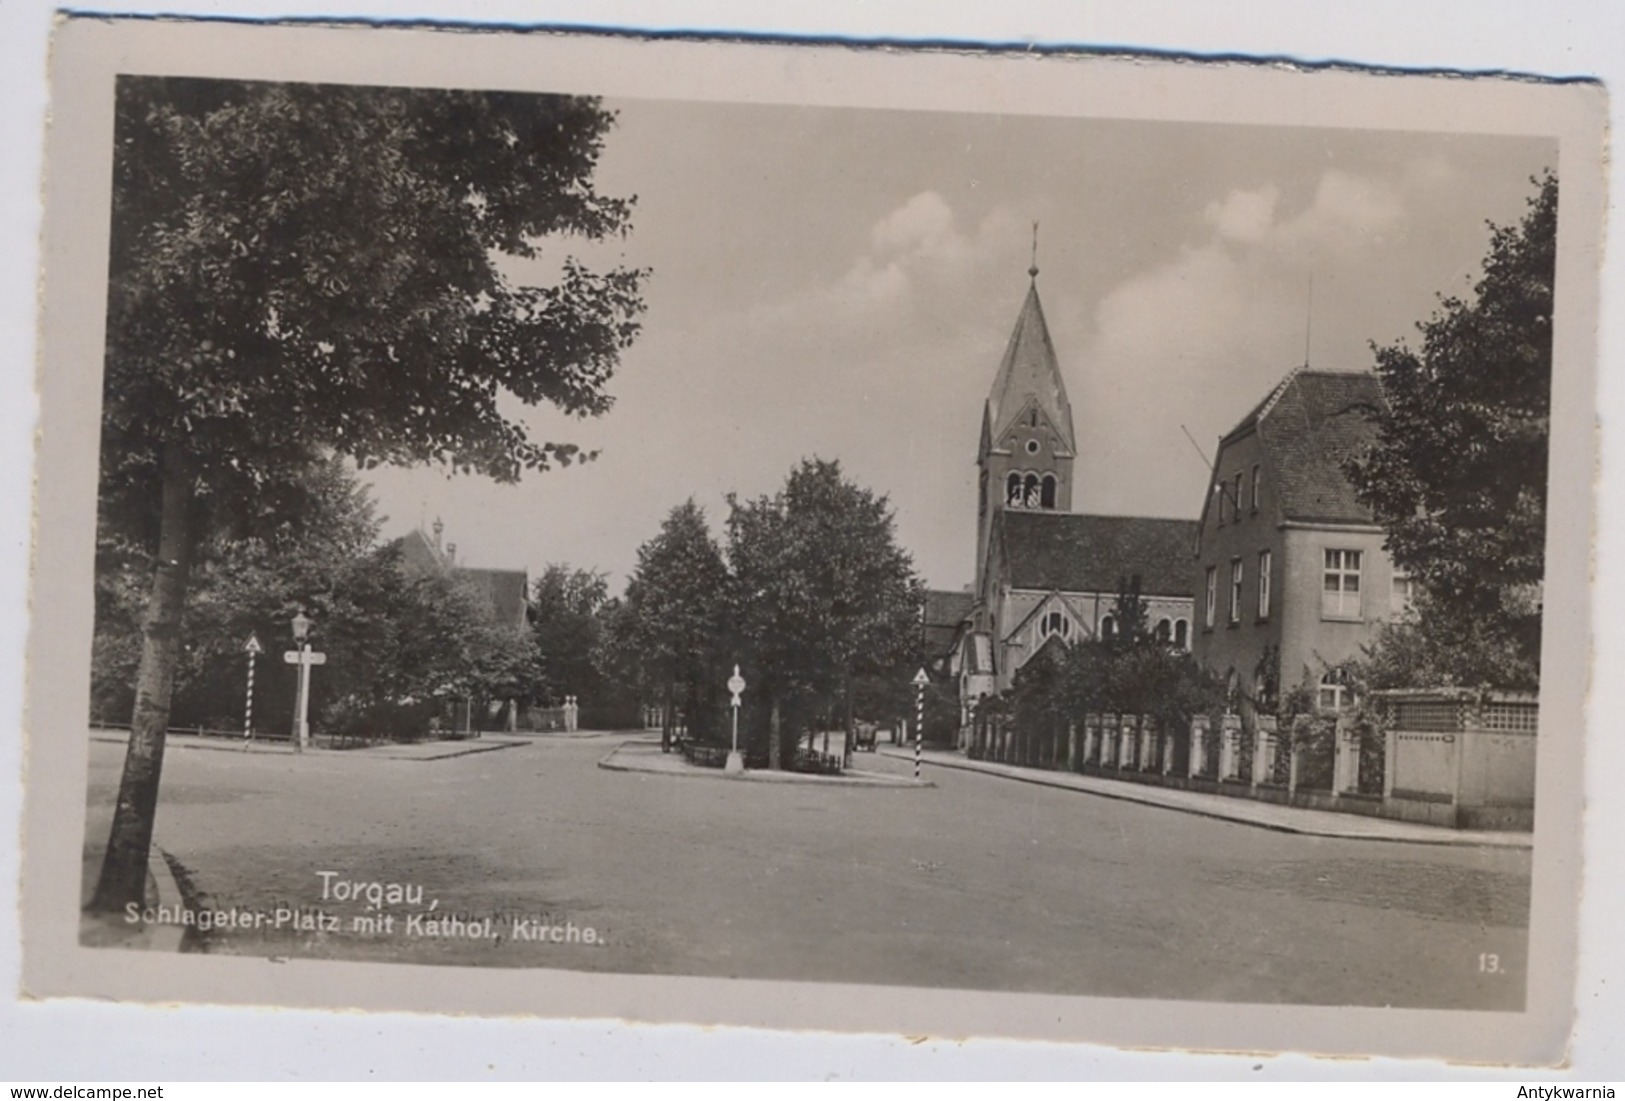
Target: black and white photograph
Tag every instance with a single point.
(1101, 538)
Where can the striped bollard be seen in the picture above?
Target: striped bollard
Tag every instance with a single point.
(920, 680)
(252, 649)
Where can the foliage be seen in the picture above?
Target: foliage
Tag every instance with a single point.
(675, 613)
(1457, 474)
(567, 607)
(398, 641)
(302, 268)
(1134, 675)
(822, 592)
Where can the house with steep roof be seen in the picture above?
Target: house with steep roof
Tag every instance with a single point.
(943, 617)
(507, 591)
(1291, 575)
(1044, 574)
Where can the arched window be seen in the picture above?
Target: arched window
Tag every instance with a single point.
(1165, 631)
(1054, 623)
(1012, 490)
(1181, 633)
(1029, 488)
(1047, 494)
(1108, 626)
(1334, 693)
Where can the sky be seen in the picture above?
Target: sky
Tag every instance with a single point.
(841, 283)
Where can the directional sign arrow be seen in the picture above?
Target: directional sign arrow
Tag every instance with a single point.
(313, 657)
(253, 645)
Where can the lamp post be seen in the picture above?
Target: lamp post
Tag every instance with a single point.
(736, 685)
(303, 657)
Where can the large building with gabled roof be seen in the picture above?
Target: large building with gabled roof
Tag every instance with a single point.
(1292, 575)
(1044, 574)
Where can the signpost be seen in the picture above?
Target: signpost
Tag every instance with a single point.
(920, 681)
(736, 685)
(304, 657)
(253, 649)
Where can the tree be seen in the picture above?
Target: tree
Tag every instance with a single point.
(302, 267)
(1457, 472)
(676, 607)
(822, 591)
(565, 610)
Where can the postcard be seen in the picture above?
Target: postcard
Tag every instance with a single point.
(944, 543)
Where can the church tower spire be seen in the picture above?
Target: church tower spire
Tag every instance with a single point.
(1028, 444)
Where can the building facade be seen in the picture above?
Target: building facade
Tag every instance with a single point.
(1291, 576)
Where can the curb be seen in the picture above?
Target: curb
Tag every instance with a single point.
(759, 776)
(165, 938)
(1450, 840)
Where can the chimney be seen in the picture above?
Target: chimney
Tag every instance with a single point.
(451, 554)
(438, 528)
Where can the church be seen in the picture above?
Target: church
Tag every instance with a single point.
(1046, 575)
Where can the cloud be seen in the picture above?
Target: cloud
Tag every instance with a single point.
(925, 223)
(1197, 339)
(1243, 215)
(920, 257)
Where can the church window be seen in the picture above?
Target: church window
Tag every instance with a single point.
(1032, 447)
(1029, 491)
(1181, 633)
(1012, 490)
(1055, 623)
(1165, 630)
(1108, 626)
(1047, 494)
(1032, 421)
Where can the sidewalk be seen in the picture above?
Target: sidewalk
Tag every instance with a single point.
(1250, 812)
(389, 751)
(645, 756)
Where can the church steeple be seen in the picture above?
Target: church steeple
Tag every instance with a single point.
(1029, 373)
(1028, 443)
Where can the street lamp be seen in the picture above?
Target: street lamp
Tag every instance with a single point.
(735, 763)
(302, 657)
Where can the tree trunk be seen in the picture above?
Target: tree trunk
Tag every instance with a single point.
(775, 751)
(846, 744)
(668, 721)
(124, 868)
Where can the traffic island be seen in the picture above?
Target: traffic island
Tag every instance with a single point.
(642, 756)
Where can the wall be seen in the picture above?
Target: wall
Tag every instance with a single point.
(1226, 536)
(1310, 642)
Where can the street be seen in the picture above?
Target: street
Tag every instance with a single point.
(977, 883)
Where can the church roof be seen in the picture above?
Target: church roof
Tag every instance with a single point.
(1074, 552)
(506, 590)
(945, 612)
(1308, 427)
(1029, 371)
